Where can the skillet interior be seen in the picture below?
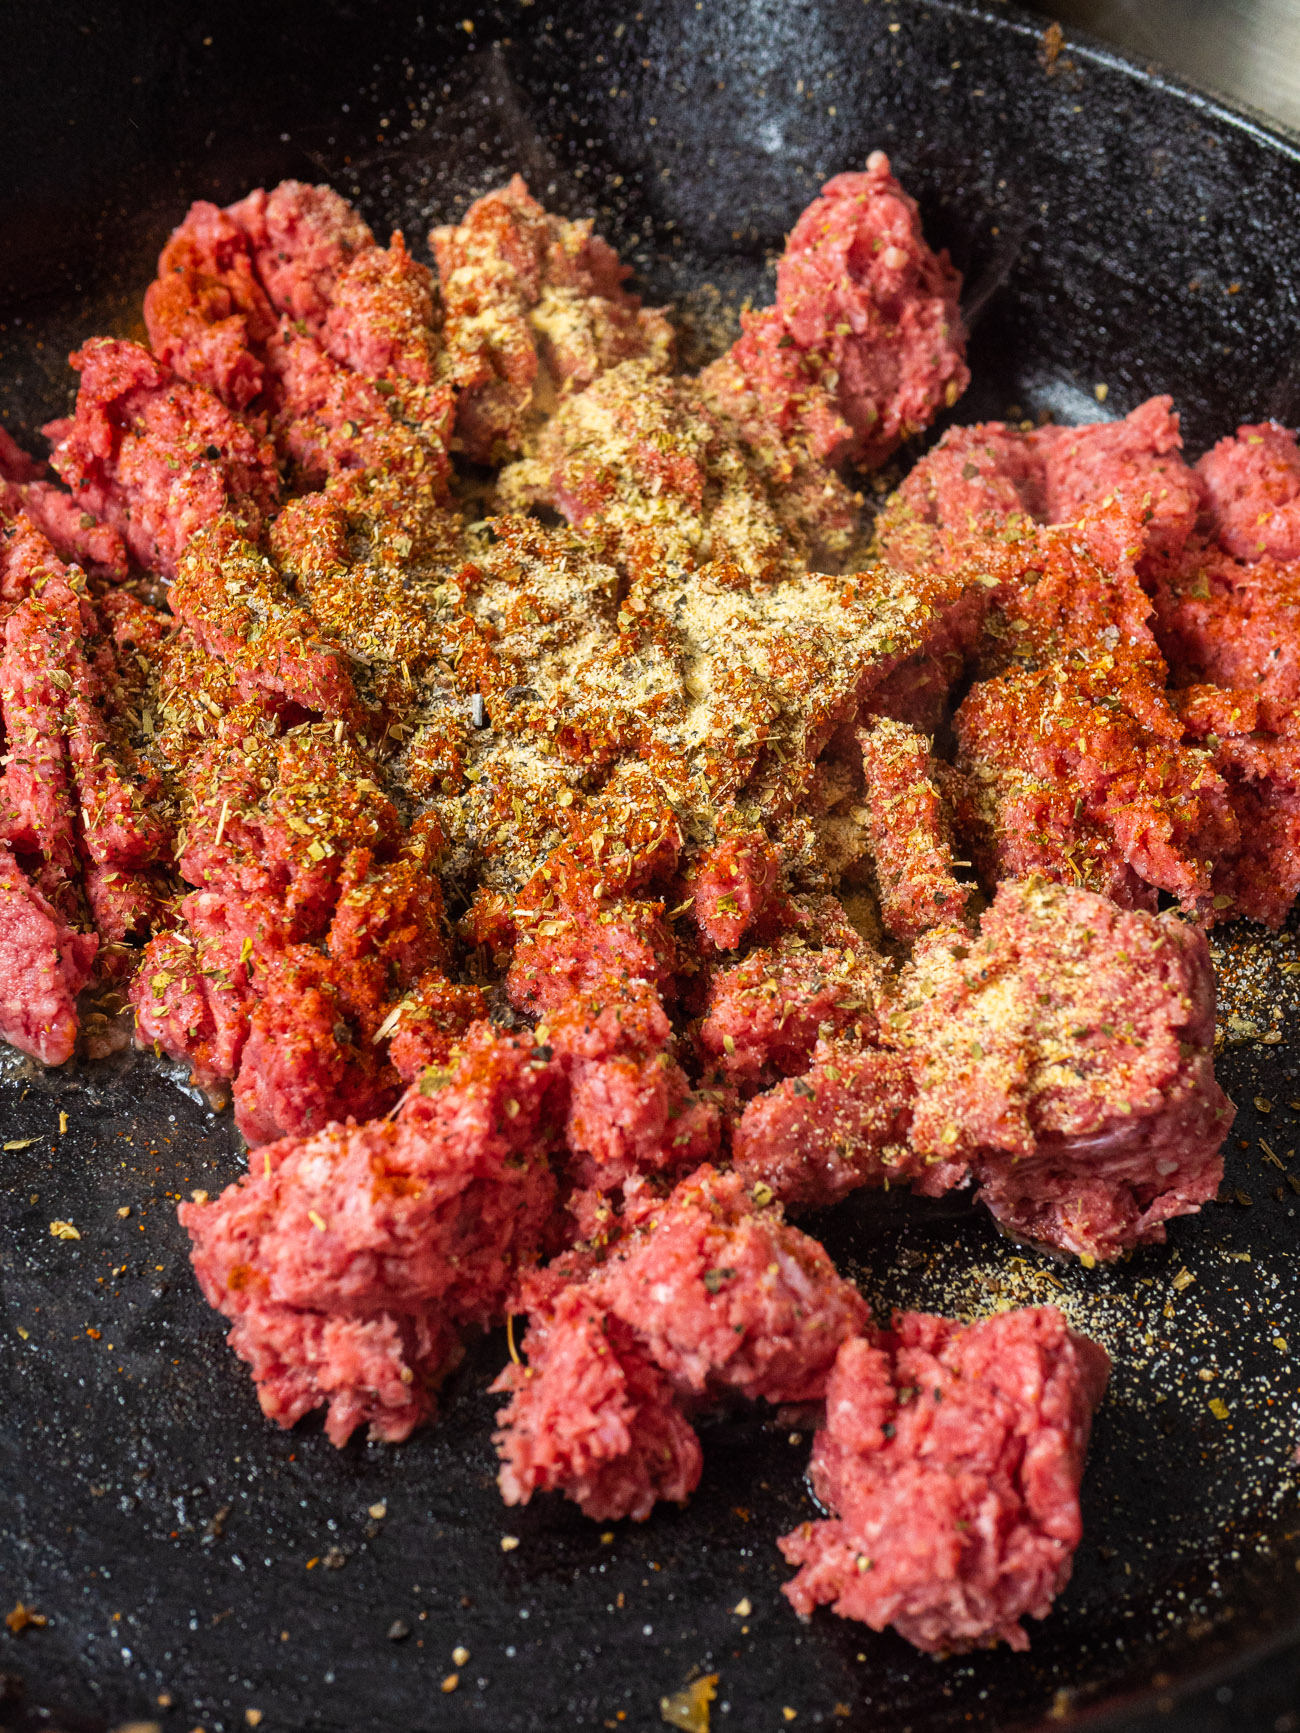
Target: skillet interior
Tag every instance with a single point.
(1083, 205)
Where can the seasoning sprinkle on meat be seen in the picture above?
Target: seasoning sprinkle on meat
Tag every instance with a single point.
(522, 778)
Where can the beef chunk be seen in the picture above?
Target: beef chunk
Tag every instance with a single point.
(731, 883)
(1064, 783)
(307, 1059)
(238, 608)
(645, 467)
(1234, 625)
(206, 313)
(349, 1262)
(865, 342)
(763, 1016)
(157, 458)
(1121, 486)
(813, 1139)
(908, 825)
(591, 1416)
(951, 1459)
(535, 308)
(44, 964)
(631, 1107)
(1067, 1053)
(720, 1296)
(301, 239)
(1252, 490)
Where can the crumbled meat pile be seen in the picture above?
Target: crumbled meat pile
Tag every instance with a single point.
(565, 887)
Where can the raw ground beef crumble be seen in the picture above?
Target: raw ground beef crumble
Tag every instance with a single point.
(704, 1296)
(951, 1459)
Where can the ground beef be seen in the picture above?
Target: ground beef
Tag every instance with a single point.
(1067, 1052)
(1062, 783)
(1136, 461)
(731, 884)
(640, 753)
(720, 1296)
(301, 238)
(951, 1459)
(44, 964)
(1121, 486)
(576, 950)
(350, 1262)
(429, 1022)
(1053, 600)
(191, 996)
(1074, 760)
(78, 801)
(307, 1059)
(380, 1370)
(73, 533)
(256, 804)
(117, 789)
(332, 414)
(1257, 752)
(763, 1016)
(27, 556)
(1233, 625)
(388, 918)
(350, 563)
(156, 457)
(843, 1124)
(579, 929)
(1261, 877)
(125, 908)
(277, 832)
(285, 304)
(534, 308)
(728, 1299)
(206, 313)
(381, 317)
(631, 1106)
(591, 1416)
(865, 341)
(1252, 491)
(235, 604)
(642, 465)
(976, 482)
(909, 831)
(38, 815)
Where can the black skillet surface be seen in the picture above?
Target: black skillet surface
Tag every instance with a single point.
(194, 1564)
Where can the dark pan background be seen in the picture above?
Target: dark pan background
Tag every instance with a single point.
(195, 1564)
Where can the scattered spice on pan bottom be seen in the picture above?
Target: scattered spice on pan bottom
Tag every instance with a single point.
(573, 878)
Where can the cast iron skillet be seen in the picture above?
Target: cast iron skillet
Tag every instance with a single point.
(193, 1563)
